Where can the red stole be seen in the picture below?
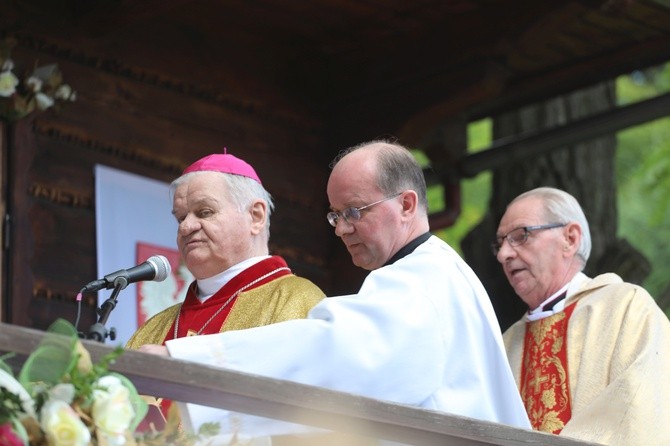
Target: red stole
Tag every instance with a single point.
(194, 316)
(544, 385)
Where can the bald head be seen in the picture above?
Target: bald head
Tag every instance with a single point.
(384, 184)
(395, 168)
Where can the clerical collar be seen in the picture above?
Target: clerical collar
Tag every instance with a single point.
(556, 302)
(408, 248)
(207, 287)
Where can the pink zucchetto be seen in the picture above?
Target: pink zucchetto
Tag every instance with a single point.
(223, 162)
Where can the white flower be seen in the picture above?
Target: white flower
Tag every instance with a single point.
(64, 91)
(43, 101)
(10, 383)
(62, 425)
(7, 65)
(34, 84)
(62, 392)
(112, 411)
(8, 83)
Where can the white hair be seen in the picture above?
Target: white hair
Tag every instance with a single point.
(561, 207)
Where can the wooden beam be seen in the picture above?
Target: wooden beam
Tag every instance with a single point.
(284, 400)
(514, 149)
(570, 77)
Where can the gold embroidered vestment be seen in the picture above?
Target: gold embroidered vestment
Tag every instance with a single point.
(545, 387)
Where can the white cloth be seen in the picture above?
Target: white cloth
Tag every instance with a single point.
(421, 332)
(570, 289)
(209, 286)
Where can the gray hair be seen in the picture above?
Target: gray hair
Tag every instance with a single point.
(242, 191)
(397, 169)
(561, 207)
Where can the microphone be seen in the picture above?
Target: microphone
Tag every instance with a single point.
(155, 268)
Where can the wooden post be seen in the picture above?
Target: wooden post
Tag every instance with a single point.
(3, 209)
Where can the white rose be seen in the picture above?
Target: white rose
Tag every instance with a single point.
(34, 84)
(62, 425)
(43, 101)
(10, 383)
(112, 411)
(8, 65)
(63, 392)
(8, 83)
(64, 91)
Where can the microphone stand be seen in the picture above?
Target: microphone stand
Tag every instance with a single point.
(98, 331)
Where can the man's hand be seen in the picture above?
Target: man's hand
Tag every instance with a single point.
(154, 349)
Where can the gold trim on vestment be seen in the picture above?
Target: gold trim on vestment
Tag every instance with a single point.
(544, 381)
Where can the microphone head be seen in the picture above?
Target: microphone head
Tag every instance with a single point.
(161, 266)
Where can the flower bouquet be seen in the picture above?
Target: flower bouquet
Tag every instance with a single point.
(60, 398)
(40, 90)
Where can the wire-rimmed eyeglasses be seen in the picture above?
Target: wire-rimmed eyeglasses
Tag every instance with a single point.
(352, 214)
(518, 236)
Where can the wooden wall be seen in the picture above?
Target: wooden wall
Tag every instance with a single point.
(147, 123)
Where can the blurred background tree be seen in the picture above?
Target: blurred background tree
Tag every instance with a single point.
(643, 178)
(642, 165)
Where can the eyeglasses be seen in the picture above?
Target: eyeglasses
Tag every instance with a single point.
(351, 215)
(518, 236)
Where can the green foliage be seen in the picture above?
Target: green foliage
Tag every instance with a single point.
(475, 192)
(475, 195)
(643, 176)
(642, 172)
(85, 380)
(479, 135)
(10, 404)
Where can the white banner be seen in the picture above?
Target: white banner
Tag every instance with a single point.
(133, 216)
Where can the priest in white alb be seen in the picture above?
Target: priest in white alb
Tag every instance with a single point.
(420, 331)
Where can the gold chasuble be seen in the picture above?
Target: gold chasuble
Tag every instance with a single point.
(264, 293)
(597, 370)
(545, 388)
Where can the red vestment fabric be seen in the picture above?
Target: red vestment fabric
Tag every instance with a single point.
(545, 388)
